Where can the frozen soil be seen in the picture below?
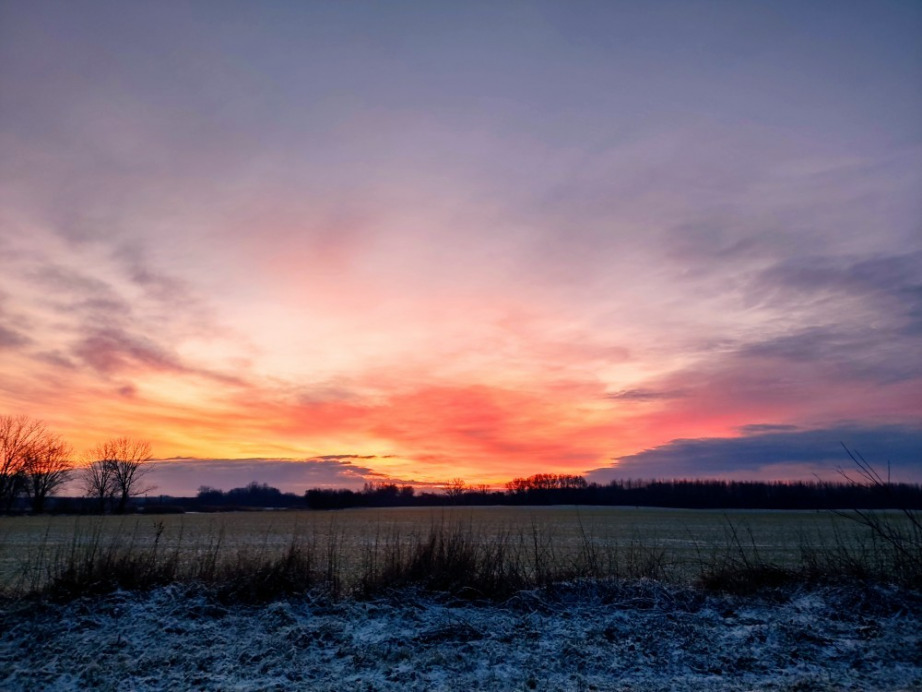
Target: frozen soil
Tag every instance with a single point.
(639, 636)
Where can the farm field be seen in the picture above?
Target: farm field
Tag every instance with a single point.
(677, 542)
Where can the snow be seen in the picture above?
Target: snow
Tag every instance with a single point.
(630, 636)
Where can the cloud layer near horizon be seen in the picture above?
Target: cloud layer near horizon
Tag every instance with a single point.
(779, 453)
(476, 241)
(183, 477)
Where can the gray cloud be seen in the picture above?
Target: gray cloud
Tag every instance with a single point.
(183, 477)
(891, 274)
(852, 317)
(766, 452)
(111, 351)
(11, 339)
(757, 428)
(889, 285)
(88, 301)
(105, 329)
(129, 391)
(874, 354)
(65, 280)
(97, 301)
(159, 286)
(642, 394)
(340, 457)
(111, 335)
(55, 358)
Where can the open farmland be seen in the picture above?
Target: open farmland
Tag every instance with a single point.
(674, 545)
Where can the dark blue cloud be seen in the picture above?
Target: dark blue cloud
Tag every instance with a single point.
(183, 477)
(764, 452)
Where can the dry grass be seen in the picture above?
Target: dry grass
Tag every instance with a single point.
(470, 552)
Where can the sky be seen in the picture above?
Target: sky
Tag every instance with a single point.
(318, 244)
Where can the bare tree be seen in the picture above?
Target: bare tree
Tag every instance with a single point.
(96, 479)
(17, 435)
(455, 489)
(46, 466)
(116, 471)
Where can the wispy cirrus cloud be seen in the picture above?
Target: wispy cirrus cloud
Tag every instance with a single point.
(880, 289)
(113, 351)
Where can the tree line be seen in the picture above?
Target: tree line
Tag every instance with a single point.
(550, 489)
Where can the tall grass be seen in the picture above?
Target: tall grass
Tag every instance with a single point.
(887, 549)
(899, 541)
(456, 559)
(453, 558)
(739, 567)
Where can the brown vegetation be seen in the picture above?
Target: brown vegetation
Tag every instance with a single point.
(365, 553)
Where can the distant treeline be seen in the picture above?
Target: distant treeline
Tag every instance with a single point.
(542, 489)
(691, 494)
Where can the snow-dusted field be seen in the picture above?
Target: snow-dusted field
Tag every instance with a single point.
(639, 636)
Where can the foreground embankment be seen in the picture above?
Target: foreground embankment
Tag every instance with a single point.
(549, 599)
(636, 636)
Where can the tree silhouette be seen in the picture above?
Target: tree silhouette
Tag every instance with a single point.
(116, 471)
(454, 489)
(18, 434)
(46, 466)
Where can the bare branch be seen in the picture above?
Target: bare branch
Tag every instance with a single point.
(17, 436)
(46, 466)
(116, 470)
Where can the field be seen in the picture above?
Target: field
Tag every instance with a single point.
(671, 545)
(549, 598)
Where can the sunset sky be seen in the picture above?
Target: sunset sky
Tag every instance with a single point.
(323, 243)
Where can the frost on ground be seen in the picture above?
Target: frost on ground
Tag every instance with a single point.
(636, 637)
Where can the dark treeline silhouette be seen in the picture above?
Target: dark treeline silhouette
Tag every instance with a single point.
(541, 489)
(548, 489)
(688, 494)
(716, 494)
(253, 495)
